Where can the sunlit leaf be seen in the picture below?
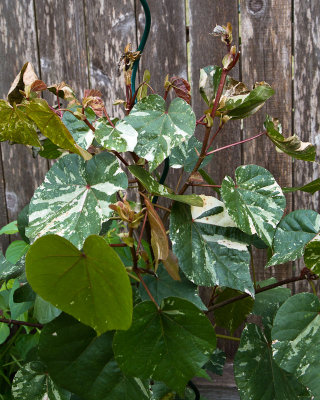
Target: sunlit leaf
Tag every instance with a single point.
(92, 284)
(123, 137)
(9, 229)
(79, 130)
(255, 202)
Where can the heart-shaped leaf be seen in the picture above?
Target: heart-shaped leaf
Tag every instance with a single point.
(291, 145)
(177, 340)
(296, 339)
(92, 284)
(156, 188)
(74, 199)
(257, 375)
(160, 131)
(256, 202)
(79, 130)
(86, 366)
(293, 233)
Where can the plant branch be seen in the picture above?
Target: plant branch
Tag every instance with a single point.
(219, 336)
(20, 323)
(136, 270)
(107, 116)
(305, 274)
(237, 143)
(214, 136)
(142, 230)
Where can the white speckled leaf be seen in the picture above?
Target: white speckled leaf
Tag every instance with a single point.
(293, 233)
(92, 284)
(160, 131)
(121, 138)
(291, 145)
(312, 255)
(257, 375)
(175, 344)
(296, 339)
(156, 188)
(256, 202)
(80, 131)
(211, 250)
(33, 383)
(74, 199)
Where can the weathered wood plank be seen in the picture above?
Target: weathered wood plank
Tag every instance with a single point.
(206, 49)
(306, 101)
(62, 43)
(18, 44)
(110, 27)
(266, 56)
(165, 51)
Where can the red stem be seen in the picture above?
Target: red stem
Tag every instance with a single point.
(214, 136)
(235, 144)
(118, 245)
(108, 118)
(142, 230)
(146, 288)
(15, 322)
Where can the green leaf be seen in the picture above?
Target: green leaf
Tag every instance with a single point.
(74, 199)
(160, 131)
(257, 375)
(17, 309)
(24, 293)
(4, 332)
(209, 180)
(216, 362)
(256, 202)
(210, 251)
(51, 126)
(32, 383)
(156, 188)
(237, 102)
(92, 284)
(291, 145)
(44, 312)
(16, 125)
(9, 229)
(16, 250)
(85, 366)
(50, 150)
(312, 256)
(164, 286)
(23, 221)
(143, 90)
(186, 155)
(296, 339)
(177, 340)
(311, 187)
(232, 315)
(122, 138)
(79, 130)
(293, 233)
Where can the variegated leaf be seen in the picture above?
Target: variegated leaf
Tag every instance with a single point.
(160, 130)
(121, 138)
(312, 255)
(256, 202)
(296, 339)
(80, 131)
(74, 199)
(211, 250)
(293, 233)
(291, 145)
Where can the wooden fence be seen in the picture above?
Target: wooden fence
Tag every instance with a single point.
(80, 42)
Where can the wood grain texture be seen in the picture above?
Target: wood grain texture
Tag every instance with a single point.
(206, 49)
(266, 56)
(111, 26)
(18, 44)
(306, 101)
(165, 52)
(62, 43)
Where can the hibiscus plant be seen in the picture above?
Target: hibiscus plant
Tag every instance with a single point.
(99, 298)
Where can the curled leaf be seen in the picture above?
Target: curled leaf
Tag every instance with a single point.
(26, 77)
(181, 88)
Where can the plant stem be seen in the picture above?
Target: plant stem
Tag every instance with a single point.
(142, 230)
(214, 136)
(313, 287)
(133, 251)
(21, 323)
(253, 268)
(146, 288)
(203, 185)
(304, 275)
(108, 118)
(219, 336)
(235, 144)
(118, 245)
